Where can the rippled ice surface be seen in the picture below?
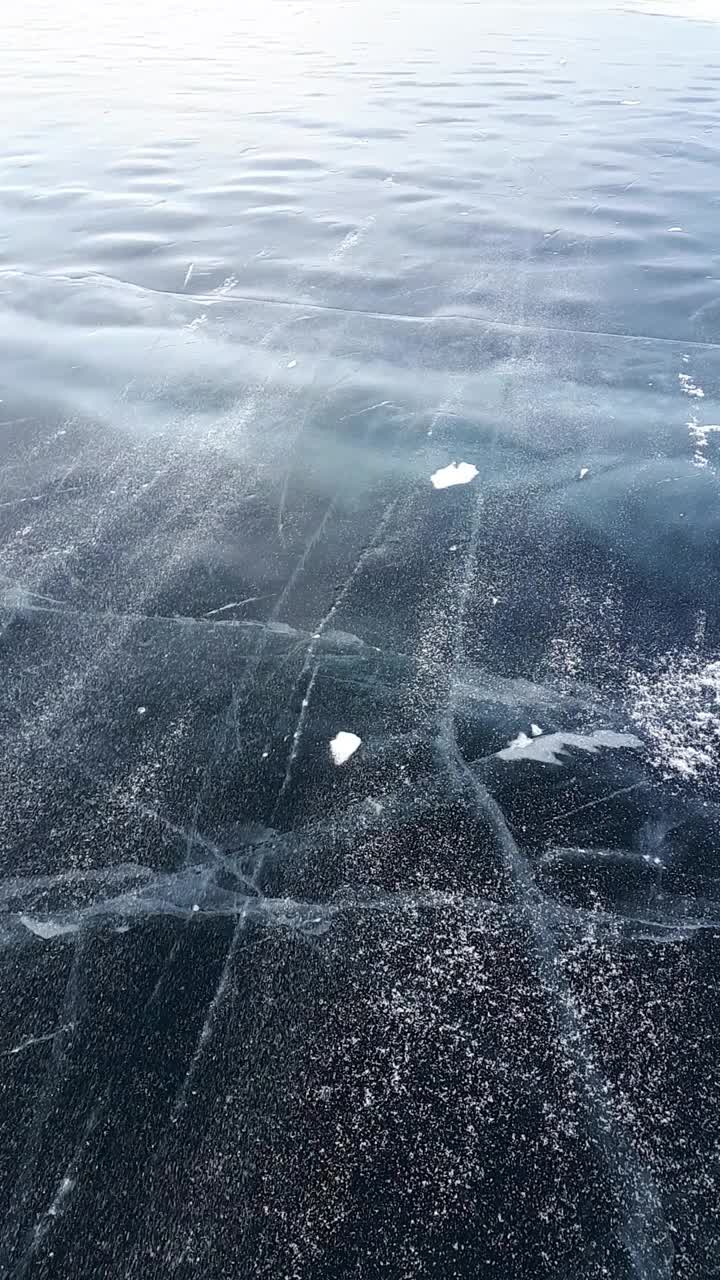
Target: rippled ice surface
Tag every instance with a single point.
(360, 906)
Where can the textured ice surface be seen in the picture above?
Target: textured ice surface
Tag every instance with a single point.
(259, 954)
(447, 1011)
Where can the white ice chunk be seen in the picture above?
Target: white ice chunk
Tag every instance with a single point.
(292, 364)
(455, 473)
(550, 746)
(584, 471)
(343, 746)
(535, 730)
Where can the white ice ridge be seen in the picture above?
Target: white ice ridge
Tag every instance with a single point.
(550, 746)
(343, 746)
(455, 473)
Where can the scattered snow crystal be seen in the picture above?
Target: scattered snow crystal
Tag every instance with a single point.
(700, 437)
(677, 706)
(689, 387)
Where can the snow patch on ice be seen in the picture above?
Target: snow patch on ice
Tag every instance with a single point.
(689, 387)
(455, 473)
(343, 746)
(352, 238)
(700, 436)
(549, 747)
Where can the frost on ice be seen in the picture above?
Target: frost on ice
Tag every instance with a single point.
(455, 473)
(343, 746)
(677, 707)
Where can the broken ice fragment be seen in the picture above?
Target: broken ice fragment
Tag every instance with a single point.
(343, 746)
(455, 473)
(584, 471)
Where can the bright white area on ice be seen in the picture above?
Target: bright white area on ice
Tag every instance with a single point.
(549, 747)
(455, 473)
(343, 746)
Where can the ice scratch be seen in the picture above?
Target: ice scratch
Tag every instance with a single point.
(302, 718)
(235, 604)
(33, 1040)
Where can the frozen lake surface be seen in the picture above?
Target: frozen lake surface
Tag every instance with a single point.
(360, 630)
